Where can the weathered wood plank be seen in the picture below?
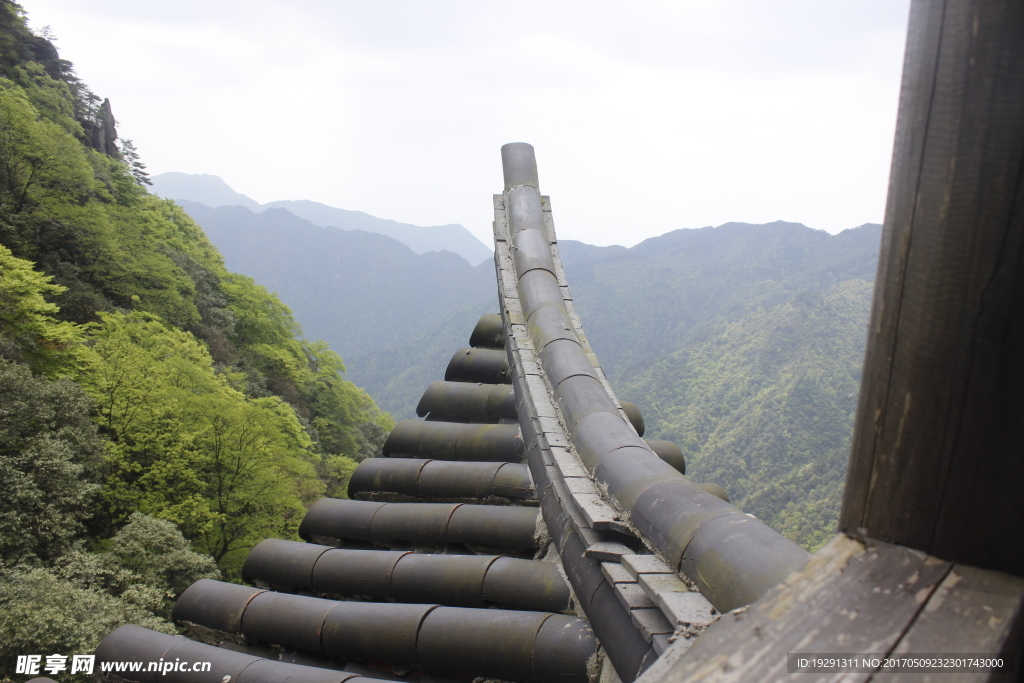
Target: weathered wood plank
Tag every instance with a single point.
(919, 66)
(973, 611)
(936, 463)
(849, 598)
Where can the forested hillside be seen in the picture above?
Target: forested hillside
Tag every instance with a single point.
(764, 406)
(744, 345)
(158, 414)
(360, 291)
(656, 297)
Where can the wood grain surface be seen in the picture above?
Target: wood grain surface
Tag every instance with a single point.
(937, 461)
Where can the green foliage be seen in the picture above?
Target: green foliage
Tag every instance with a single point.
(39, 161)
(664, 293)
(82, 216)
(764, 406)
(216, 412)
(189, 448)
(42, 613)
(28, 329)
(70, 607)
(148, 560)
(131, 158)
(49, 95)
(744, 344)
(347, 420)
(85, 219)
(348, 424)
(335, 472)
(48, 81)
(49, 458)
(193, 421)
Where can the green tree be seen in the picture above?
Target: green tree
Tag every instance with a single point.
(70, 607)
(189, 448)
(85, 219)
(347, 420)
(41, 612)
(257, 473)
(216, 412)
(131, 158)
(39, 161)
(50, 457)
(148, 562)
(28, 328)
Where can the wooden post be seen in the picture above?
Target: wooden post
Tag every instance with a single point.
(937, 462)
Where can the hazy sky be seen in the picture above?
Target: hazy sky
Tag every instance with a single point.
(647, 116)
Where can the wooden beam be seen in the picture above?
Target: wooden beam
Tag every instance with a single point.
(937, 461)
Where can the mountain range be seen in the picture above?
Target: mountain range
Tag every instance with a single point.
(357, 290)
(743, 343)
(212, 191)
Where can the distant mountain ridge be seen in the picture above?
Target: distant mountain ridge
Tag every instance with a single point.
(451, 237)
(359, 291)
(212, 191)
(201, 188)
(647, 301)
(664, 292)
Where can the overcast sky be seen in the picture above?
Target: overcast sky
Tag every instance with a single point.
(647, 116)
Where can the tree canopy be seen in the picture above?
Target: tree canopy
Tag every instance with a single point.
(159, 415)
